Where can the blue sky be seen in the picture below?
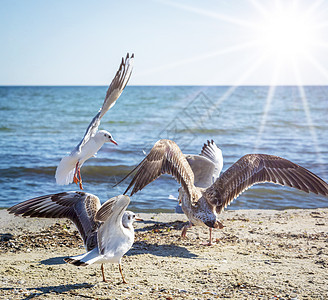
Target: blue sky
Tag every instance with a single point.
(175, 42)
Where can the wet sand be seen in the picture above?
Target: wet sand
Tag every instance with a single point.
(258, 254)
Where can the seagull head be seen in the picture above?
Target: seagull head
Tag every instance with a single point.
(128, 218)
(107, 137)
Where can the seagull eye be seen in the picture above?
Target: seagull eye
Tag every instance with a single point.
(134, 216)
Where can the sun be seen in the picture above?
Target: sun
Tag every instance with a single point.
(287, 33)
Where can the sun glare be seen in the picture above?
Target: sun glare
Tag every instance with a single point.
(287, 33)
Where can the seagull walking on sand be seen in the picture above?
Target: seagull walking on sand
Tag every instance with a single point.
(69, 167)
(202, 205)
(107, 231)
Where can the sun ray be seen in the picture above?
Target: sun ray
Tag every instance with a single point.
(317, 65)
(308, 116)
(211, 14)
(190, 60)
(239, 81)
(259, 7)
(268, 101)
(315, 6)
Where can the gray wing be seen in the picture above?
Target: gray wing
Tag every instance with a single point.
(79, 207)
(164, 158)
(203, 170)
(111, 230)
(258, 168)
(214, 154)
(206, 166)
(113, 93)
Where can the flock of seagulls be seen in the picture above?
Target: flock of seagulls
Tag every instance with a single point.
(107, 230)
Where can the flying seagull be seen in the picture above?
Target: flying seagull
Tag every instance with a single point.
(203, 204)
(106, 230)
(69, 167)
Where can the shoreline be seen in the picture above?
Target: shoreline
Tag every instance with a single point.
(259, 253)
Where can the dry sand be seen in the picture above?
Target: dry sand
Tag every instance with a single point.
(259, 254)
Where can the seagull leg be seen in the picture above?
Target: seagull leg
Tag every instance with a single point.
(119, 266)
(80, 178)
(103, 274)
(210, 241)
(185, 228)
(75, 179)
(219, 225)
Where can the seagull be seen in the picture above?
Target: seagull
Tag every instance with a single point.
(106, 230)
(202, 205)
(206, 168)
(69, 167)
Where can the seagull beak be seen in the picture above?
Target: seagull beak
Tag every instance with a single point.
(113, 142)
(138, 219)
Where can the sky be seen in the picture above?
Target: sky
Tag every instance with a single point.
(239, 42)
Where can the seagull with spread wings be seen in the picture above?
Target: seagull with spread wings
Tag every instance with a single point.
(107, 231)
(203, 204)
(69, 167)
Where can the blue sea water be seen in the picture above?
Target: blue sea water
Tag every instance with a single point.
(39, 125)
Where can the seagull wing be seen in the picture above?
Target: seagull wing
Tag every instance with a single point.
(118, 84)
(258, 168)
(202, 168)
(113, 93)
(111, 231)
(79, 207)
(214, 154)
(164, 158)
(206, 166)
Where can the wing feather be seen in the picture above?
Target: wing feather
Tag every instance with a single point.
(164, 158)
(211, 151)
(114, 91)
(259, 168)
(111, 230)
(79, 207)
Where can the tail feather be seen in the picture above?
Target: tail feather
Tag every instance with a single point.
(75, 262)
(65, 170)
(84, 259)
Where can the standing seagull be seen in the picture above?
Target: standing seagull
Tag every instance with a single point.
(206, 168)
(106, 230)
(202, 205)
(93, 139)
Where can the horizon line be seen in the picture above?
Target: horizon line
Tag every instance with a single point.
(162, 85)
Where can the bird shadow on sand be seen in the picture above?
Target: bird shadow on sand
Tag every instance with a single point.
(155, 225)
(53, 261)
(143, 247)
(48, 290)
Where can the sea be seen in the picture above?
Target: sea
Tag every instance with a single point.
(41, 124)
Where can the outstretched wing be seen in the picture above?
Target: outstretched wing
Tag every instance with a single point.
(113, 93)
(206, 166)
(110, 214)
(258, 168)
(164, 158)
(214, 154)
(79, 207)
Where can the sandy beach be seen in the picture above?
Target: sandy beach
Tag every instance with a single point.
(258, 254)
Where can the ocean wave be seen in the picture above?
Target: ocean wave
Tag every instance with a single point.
(91, 171)
(6, 129)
